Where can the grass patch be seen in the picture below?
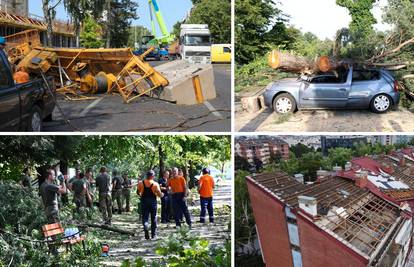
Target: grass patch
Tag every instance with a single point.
(281, 118)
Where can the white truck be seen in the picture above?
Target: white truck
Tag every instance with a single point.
(195, 43)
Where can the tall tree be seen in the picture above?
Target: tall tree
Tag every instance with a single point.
(49, 12)
(253, 19)
(361, 26)
(80, 10)
(215, 13)
(91, 34)
(117, 19)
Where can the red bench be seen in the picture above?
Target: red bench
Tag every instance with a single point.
(54, 230)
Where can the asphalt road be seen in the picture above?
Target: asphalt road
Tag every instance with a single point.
(108, 113)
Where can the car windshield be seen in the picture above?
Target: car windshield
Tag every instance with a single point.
(197, 40)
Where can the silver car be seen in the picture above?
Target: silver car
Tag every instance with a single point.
(347, 88)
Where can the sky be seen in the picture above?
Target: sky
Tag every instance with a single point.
(172, 10)
(323, 17)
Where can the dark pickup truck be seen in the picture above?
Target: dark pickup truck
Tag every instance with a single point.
(23, 107)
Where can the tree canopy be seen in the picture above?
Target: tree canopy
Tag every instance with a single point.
(134, 154)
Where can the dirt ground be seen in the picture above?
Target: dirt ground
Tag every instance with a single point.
(265, 120)
(128, 247)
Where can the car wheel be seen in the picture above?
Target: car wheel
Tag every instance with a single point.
(284, 103)
(381, 103)
(35, 120)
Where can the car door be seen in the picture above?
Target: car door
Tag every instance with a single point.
(365, 83)
(326, 91)
(9, 99)
(226, 54)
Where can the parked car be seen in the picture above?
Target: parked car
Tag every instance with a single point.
(23, 107)
(347, 88)
(221, 53)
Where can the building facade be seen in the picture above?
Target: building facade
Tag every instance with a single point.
(17, 7)
(15, 17)
(261, 148)
(361, 215)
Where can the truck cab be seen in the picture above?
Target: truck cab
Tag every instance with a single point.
(195, 43)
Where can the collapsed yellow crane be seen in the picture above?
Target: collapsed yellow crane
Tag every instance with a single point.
(87, 70)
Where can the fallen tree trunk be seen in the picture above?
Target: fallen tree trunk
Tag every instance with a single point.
(107, 227)
(297, 64)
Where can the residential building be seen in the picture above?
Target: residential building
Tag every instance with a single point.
(361, 215)
(260, 148)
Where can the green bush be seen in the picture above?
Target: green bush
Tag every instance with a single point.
(257, 73)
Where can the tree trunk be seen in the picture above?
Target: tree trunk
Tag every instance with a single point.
(107, 227)
(292, 63)
(161, 157)
(48, 18)
(108, 23)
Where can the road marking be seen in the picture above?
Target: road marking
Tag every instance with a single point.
(91, 105)
(211, 108)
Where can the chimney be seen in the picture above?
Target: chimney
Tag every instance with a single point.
(348, 166)
(402, 161)
(361, 179)
(309, 205)
(336, 169)
(320, 175)
(299, 178)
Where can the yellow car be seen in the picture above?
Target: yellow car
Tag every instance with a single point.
(221, 53)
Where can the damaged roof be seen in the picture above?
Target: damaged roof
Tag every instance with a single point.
(353, 215)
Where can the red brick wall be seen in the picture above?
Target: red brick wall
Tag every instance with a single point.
(319, 250)
(271, 224)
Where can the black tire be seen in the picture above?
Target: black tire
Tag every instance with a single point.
(34, 123)
(381, 103)
(288, 101)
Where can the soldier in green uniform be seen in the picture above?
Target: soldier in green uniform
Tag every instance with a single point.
(126, 191)
(80, 190)
(49, 193)
(103, 184)
(117, 182)
(91, 187)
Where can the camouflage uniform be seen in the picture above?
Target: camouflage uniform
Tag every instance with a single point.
(103, 182)
(117, 192)
(126, 193)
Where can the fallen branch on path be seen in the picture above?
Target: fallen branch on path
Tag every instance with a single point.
(107, 227)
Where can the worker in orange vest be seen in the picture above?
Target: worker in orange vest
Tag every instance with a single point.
(21, 76)
(179, 190)
(205, 189)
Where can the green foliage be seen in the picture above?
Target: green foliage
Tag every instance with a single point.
(257, 73)
(22, 216)
(138, 32)
(134, 154)
(20, 209)
(245, 230)
(215, 13)
(252, 21)
(90, 36)
(339, 156)
(122, 12)
(182, 249)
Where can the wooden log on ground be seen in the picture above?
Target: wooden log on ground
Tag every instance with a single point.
(107, 227)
